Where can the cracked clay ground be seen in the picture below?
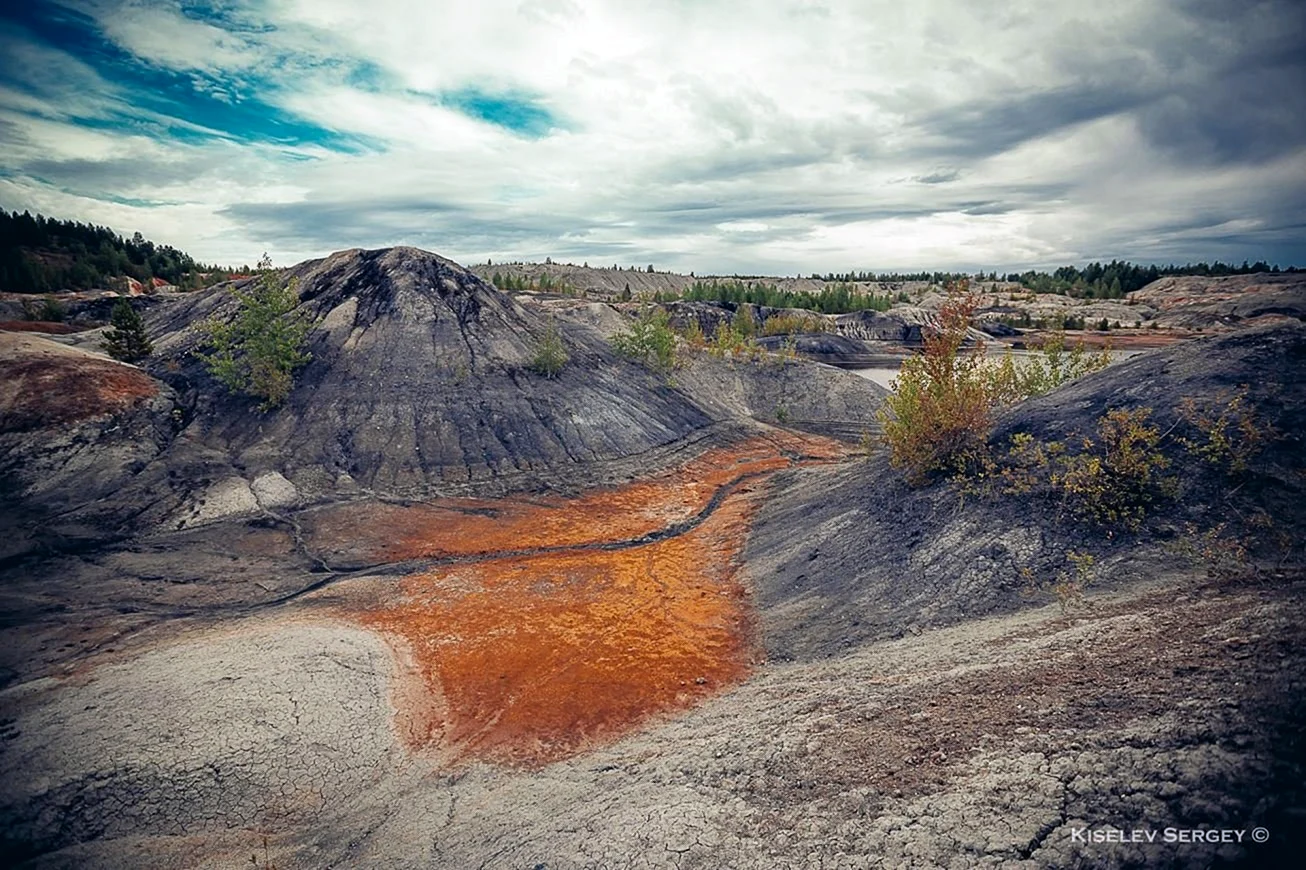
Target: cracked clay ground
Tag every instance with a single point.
(577, 683)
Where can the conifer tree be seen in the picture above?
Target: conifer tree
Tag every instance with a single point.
(127, 340)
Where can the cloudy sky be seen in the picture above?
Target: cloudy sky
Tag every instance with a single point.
(711, 135)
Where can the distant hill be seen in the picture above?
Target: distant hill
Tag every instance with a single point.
(617, 284)
(841, 293)
(46, 255)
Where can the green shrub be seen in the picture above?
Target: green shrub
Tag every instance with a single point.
(1038, 373)
(693, 335)
(789, 324)
(1226, 433)
(1116, 478)
(126, 340)
(650, 341)
(937, 417)
(50, 310)
(744, 323)
(259, 351)
(1068, 585)
(550, 354)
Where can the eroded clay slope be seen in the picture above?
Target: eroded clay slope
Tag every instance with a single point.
(420, 383)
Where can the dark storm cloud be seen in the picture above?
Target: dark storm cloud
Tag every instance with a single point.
(442, 227)
(120, 173)
(991, 126)
(1250, 115)
(940, 177)
(743, 164)
(1272, 231)
(1210, 83)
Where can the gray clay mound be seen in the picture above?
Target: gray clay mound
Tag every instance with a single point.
(420, 385)
(876, 558)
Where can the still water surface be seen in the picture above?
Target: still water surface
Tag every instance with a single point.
(884, 376)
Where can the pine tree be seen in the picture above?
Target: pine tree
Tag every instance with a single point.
(258, 352)
(127, 340)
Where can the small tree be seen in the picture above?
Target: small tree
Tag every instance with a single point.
(744, 323)
(258, 352)
(550, 354)
(127, 340)
(650, 341)
(938, 414)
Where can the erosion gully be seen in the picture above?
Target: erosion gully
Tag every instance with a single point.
(537, 628)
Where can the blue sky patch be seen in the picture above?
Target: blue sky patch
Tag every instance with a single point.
(516, 112)
(187, 106)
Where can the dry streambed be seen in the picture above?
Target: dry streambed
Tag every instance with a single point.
(573, 683)
(520, 631)
(543, 626)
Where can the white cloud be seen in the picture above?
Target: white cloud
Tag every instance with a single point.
(161, 35)
(701, 135)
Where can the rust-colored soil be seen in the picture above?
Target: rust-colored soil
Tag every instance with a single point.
(52, 390)
(47, 326)
(471, 527)
(533, 657)
(1116, 339)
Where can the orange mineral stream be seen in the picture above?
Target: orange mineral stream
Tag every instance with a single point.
(533, 657)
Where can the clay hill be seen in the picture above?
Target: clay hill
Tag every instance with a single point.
(419, 385)
(441, 611)
(1233, 300)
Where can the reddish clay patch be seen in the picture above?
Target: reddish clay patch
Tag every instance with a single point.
(472, 527)
(1116, 339)
(47, 326)
(528, 659)
(52, 390)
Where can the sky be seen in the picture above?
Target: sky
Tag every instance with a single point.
(722, 136)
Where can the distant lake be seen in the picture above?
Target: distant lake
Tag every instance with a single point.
(885, 375)
(880, 376)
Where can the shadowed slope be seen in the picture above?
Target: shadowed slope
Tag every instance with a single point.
(421, 380)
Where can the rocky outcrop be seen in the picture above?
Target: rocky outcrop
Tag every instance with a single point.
(420, 382)
(1194, 302)
(76, 430)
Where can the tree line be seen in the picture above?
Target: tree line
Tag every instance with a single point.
(44, 255)
(1095, 281)
(1117, 278)
(838, 298)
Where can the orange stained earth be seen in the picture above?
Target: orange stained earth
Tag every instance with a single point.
(470, 527)
(42, 391)
(47, 326)
(530, 658)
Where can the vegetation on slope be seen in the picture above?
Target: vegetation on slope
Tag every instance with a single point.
(258, 352)
(1117, 278)
(1136, 459)
(127, 340)
(839, 298)
(42, 255)
(938, 417)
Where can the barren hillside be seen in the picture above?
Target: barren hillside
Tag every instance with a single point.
(439, 610)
